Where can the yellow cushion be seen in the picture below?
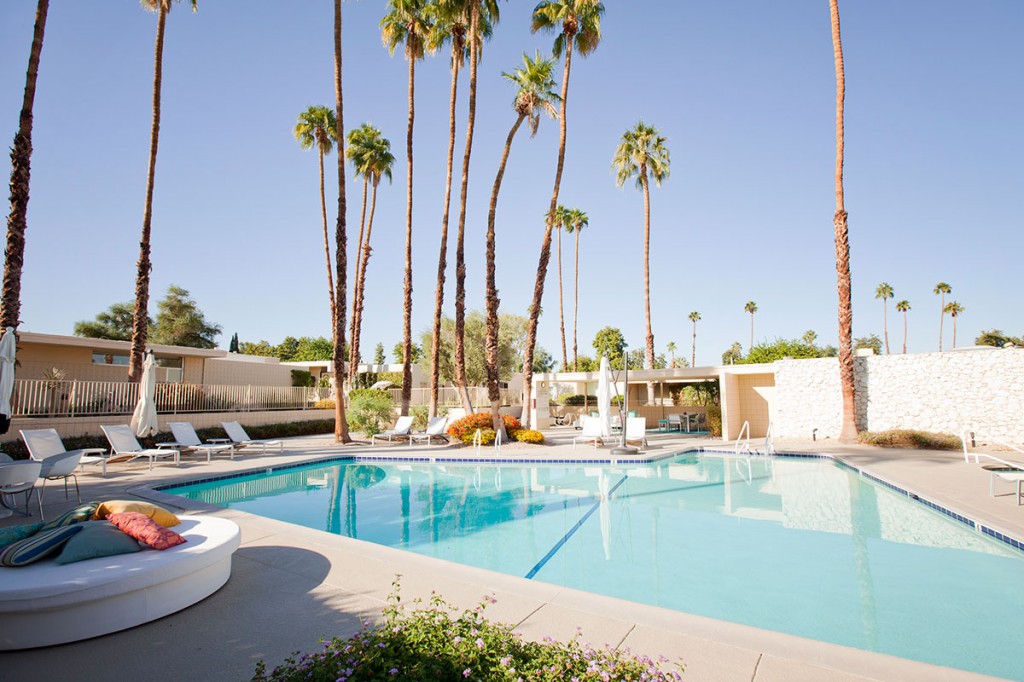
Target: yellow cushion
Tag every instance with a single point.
(158, 514)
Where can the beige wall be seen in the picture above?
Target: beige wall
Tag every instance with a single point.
(34, 359)
(742, 402)
(226, 372)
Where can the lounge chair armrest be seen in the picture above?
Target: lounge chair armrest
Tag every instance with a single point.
(215, 441)
(168, 445)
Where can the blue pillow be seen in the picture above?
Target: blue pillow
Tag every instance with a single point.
(42, 544)
(77, 515)
(12, 534)
(97, 539)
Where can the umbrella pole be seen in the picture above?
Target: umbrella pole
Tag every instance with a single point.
(623, 449)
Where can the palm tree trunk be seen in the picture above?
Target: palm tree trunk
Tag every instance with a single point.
(942, 317)
(751, 346)
(545, 246)
(904, 333)
(141, 317)
(442, 260)
(353, 350)
(363, 259)
(848, 434)
(693, 346)
(954, 332)
(21, 157)
(649, 359)
(885, 324)
(407, 307)
(460, 247)
(327, 244)
(561, 298)
(492, 300)
(576, 301)
(341, 244)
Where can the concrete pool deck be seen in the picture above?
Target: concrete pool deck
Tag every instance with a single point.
(290, 586)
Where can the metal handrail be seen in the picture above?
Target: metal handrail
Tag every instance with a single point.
(745, 441)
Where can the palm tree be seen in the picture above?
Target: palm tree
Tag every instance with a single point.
(942, 289)
(21, 157)
(884, 292)
(576, 221)
(694, 317)
(317, 125)
(577, 23)
(406, 24)
(671, 348)
(534, 95)
(904, 307)
(371, 155)
(751, 308)
(139, 326)
(809, 337)
(848, 433)
(642, 154)
(558, 220)
(340, 245)
(954, 309)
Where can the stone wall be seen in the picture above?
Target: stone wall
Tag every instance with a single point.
(977, 389)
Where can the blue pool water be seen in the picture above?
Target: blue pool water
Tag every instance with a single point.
(799, 546)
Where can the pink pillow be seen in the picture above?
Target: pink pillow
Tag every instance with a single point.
(145, 530)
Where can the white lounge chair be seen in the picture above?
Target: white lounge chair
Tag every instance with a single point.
(402, 428)
(45, 446)
(187, 441)
(675, 422)
(123, 442)
(636, 430)
(435, 429)
(19, 477)
(239, 437)
(591, 432)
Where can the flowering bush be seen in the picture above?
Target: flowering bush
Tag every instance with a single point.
(434, 641)
(479, 420)
(325, 404)
(527, 436)
(487, 436)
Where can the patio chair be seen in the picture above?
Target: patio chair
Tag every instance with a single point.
(435, 429)
(45, 445)
(187, 441)
(239, 437)
(636, 430)
(591, 432)
(674, 422)
(123, 442)
(402, 428)
(20, 477)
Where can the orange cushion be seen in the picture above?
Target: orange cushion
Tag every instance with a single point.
(158, 514)
(146, 530)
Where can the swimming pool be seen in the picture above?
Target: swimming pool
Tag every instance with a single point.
(801, 546)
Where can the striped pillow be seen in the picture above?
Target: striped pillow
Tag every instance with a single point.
(72, 516)
(40, 545)
(12, 534)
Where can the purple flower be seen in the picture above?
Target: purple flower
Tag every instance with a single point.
(457, 639)
(393, 671)
(479, 643)
(467, 672)
(505, 660)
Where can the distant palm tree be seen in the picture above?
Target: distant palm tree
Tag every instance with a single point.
(341, 434)
(558, 221)
(371, 155)
(577, 24)
(904, 307)
(534, 95)
(942, 289)
(642, 154)
(317, 126)
(809, 337)
(954, 309)
(884, 292)
(576, 222)
(671, 348)
(406, 24)
(139, 322)
(848, 433)
(21, 157)
(751, 308)
(694, 317)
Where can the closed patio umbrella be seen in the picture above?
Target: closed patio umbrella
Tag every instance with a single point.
(144, 421)
(7, 350)
(604, 398)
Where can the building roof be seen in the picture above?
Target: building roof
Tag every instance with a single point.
(108, 344)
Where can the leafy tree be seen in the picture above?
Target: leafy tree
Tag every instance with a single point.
(179, 322)
(378, 354)
(995, 337)
(638, 359)
(610, 342)
(884, 292)
(261, 347)
(584, 363)
(941, 289)
(115, 323)
(543, 361)
(233, 346)
(809, 337)
(287, 349)
(415, 351)
(904, 307)
(309, 349)
(512, 330)
(872, 342)
(734, 355)
(780, 348)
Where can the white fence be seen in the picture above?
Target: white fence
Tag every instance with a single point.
(449, 396)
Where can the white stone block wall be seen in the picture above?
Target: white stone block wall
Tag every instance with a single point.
(980, 390)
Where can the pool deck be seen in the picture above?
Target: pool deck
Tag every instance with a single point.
(290, 586)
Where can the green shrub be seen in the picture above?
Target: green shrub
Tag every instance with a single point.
(369, 411)
(479, 420)
(576, 400)
(714, 417)
(527, 436)
(908, 438)
(301, 377)
(325, 404)
(434, 641)
(376, 393)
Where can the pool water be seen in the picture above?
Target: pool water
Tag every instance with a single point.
(800, 546)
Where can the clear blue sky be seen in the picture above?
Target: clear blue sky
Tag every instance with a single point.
(743, 91)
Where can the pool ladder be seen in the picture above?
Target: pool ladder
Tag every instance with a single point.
(478, 442)
(743, 441)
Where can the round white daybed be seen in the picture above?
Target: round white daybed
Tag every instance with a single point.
(46, 603)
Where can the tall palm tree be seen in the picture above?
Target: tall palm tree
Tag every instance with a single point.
(848, 433)
(694, 317)
(21, 157)
(371, 155)
(340, 245)
(576, 222)
(577, 23)
(954, 309)
(751, 308)
(139, 322)
(904, 307)
(406, 24)
(671, 348)
(480, 13)
(884, 292)
(942, 289)
(534, 95)
(559, 220)
(642, 154)
(317, 126)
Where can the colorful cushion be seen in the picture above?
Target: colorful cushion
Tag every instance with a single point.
(72, 516)
(97, 539)
(42, 544)
(146, 530)
(12, 534)
(158, 514)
